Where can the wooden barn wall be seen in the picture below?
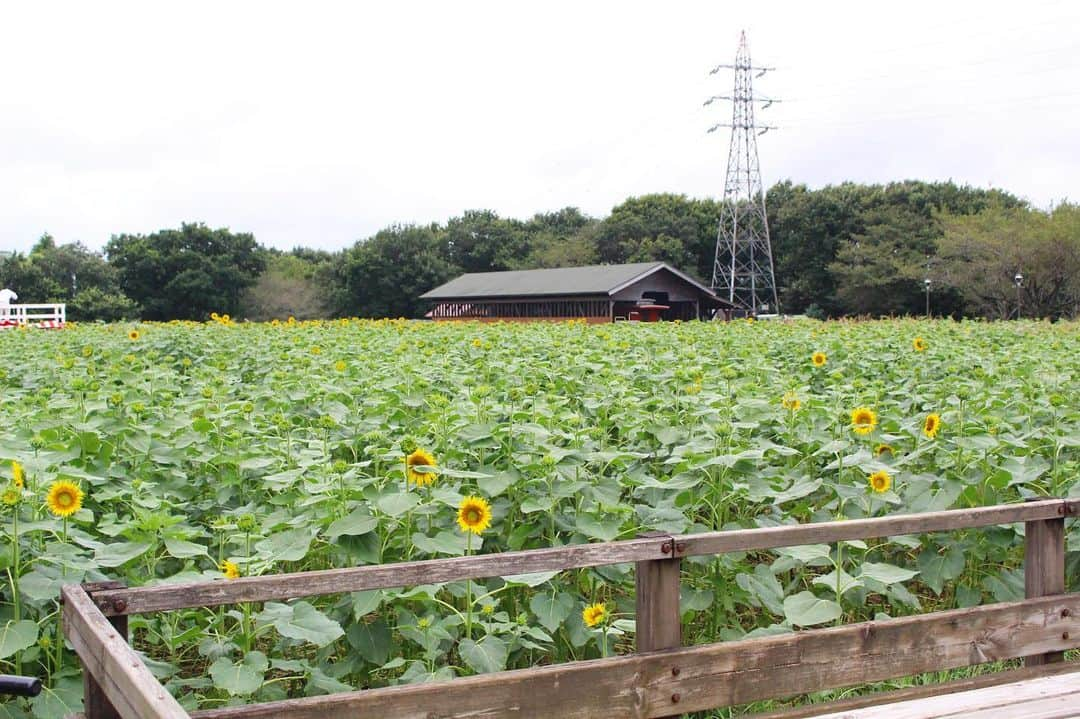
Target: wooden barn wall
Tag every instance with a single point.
(662, 281)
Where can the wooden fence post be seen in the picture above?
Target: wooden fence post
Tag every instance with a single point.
(95, 704)
(658, 620)
(1044, 568)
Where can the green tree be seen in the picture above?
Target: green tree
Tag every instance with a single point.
(94, 303)
(186, 273)
(666, 227)
(821, 237)
(481, 241)
(69, 273)
(565, 238)
(291, 285)
(982, 253)
(384, 276)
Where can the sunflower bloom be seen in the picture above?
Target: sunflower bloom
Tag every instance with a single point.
(791, 401)
(819, 359)
(880, 481)
(11, 496)
(133, 335)
(64, 498)
(918, 344)
(594, 614)
(883, 449)
(931, 425)
(420, 458)
(863, 420)
(18, 478)
(230, 569)
(474, 515)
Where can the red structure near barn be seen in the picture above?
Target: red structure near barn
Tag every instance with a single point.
(643, 291)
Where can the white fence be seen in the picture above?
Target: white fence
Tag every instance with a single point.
(48, 315)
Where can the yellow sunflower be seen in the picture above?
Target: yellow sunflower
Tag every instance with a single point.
(931, 425)
(791, 401)
(594, 614)
(340, 366)
(230, 569)
(863, 420)
(133, 335)
(64, 498)
(18, 478)
(420, 458)
(819, 359)
(880, 481)
(11, 496)
(474, 515)
(918, 344)
(883, 449)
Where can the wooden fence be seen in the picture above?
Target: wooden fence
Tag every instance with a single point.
(662, 678)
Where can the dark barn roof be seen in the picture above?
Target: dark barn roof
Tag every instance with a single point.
(590, 280)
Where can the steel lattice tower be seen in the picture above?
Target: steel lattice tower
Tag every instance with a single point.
(743, 265)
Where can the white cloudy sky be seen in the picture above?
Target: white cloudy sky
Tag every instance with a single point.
(318, 123)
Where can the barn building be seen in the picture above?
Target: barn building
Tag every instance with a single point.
(645, 291)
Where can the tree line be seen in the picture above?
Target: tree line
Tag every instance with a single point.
(849, 249)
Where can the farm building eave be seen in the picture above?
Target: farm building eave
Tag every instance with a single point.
(603, 280)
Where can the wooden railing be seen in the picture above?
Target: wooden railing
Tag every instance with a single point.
(32, 314)
(662, 678)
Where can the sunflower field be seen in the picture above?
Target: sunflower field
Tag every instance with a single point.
(203, 452)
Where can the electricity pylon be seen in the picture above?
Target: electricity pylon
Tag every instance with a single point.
(743, 265)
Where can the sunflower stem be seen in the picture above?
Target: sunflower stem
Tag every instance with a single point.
(58, 656)
(13, 572)
(468, 590)
(13, 577)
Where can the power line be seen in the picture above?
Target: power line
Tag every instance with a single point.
(908, 71)
(967, 108)
(1007, 33)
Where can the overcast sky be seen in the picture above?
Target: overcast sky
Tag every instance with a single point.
(317, 124)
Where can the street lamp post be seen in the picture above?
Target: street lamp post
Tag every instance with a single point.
(1018, 280)
(927, 283)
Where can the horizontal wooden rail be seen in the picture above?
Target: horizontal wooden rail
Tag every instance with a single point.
(377, 576)
(115, 667)
(921, 691)
(167, 597)
(674, 681)
(891, 526)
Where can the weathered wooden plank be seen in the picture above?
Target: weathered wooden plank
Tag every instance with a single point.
(385, 576)
(922, 691)
(125, 681)
(95, 704)
(381, 576)
(657, 619)
(1039, 697)
(714, 675)
(1059, 707)
(1044, 569)
(742, 540)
